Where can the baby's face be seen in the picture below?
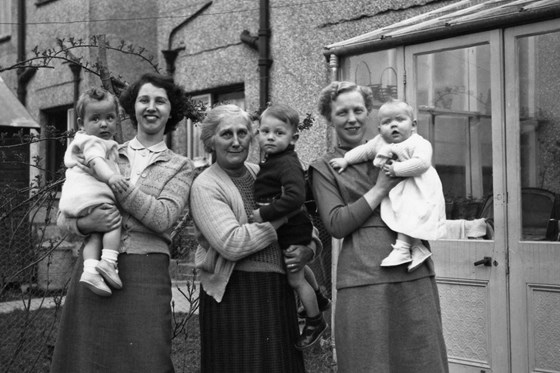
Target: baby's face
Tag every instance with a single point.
(100, 119)
(395, 123)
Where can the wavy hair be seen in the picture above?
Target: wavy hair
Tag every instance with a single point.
(95, 94)
(335, 89)
(175, 93)
(210, 124)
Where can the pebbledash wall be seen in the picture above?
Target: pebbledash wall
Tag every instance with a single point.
(206, 39)
(51, 90)
(48, 20)
(211, 56)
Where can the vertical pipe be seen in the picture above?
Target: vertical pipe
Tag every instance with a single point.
(264, 53)
(21, 17)
(336, 244)
(331, 134)
(333, 66)
(76, 69)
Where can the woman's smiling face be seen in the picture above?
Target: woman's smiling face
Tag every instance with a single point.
(152, 109)
(348, 116)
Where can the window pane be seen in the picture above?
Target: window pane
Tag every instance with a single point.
(454, 114)
(5, 18)
(539, 118)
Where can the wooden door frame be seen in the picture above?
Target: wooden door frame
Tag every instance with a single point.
(522, 356)
(499, 342)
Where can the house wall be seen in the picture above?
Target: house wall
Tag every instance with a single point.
(122, 20)
(214, 55)
(130, 20)
(8, 52)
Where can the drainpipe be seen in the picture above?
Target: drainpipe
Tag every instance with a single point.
(76, 70)
(264, 53)
(24, 74)
(262, 45)
(170, 55)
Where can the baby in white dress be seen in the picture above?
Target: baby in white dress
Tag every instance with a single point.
(415, 208)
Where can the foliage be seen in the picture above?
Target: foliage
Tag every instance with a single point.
(63, 51)
(66, 47)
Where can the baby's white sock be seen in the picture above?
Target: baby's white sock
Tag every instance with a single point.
(110, 255)
(401, 244)
(89, 266)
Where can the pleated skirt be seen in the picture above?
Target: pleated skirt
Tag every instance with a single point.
(130, 331)
(390, 328)
(253, 329)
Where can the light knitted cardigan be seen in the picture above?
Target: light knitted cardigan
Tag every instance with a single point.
(222, 228)
(151, 208)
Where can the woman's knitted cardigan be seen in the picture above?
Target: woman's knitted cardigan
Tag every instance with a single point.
(223, 231)
(222, 228)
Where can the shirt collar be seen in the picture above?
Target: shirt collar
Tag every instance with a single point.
(157, 148)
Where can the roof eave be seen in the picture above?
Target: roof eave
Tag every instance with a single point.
(448, 31)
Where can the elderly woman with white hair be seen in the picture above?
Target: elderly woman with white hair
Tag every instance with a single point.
(248, 319)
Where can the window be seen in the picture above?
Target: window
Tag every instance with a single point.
(539, 123)
(5, 20)
(56, 124)
(380, 72)
(454, 113)
(195, 148)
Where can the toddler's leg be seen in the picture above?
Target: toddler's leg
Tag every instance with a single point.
(401, 252)
(315, 325)
(90, 277)
(304, 291)
(107, 267)
(310, 278)
(323, 302)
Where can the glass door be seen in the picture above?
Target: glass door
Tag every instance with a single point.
(455, 87)
(532, 70)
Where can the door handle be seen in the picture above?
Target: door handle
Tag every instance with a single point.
(486, 261)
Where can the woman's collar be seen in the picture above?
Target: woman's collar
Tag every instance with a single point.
(157, 148)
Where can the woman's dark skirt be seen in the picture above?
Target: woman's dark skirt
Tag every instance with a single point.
(130, 331)
(253, 329)
(393, 327)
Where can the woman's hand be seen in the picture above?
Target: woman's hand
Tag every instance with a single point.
(386, 182)
(297, 256)
(256, 217)
(381, 189)
(103, 218)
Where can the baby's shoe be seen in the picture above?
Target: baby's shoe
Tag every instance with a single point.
(419, 255)
(312, 331)
(398, 256)
(109, 272)
(95, 283)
